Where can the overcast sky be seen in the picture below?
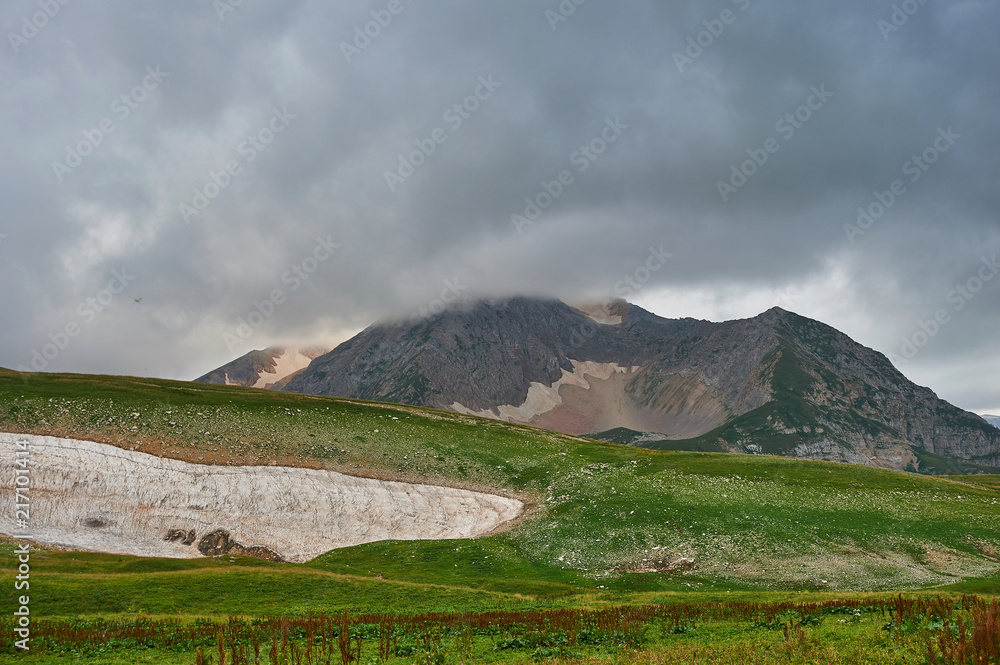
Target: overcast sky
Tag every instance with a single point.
(177, 162)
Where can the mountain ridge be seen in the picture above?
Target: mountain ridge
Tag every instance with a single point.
(776, 383)
(265, 368)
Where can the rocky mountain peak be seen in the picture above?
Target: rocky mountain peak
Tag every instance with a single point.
(776, 383)
(266, 368)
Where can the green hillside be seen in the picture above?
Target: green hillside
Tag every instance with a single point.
(627, 554)
(602, 514)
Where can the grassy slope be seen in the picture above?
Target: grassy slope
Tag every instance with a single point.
(66, 584)
(748, 521)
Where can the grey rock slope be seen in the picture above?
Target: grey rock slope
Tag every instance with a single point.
(267, 368)
(777, 383)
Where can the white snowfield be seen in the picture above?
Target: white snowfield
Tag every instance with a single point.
(96, 497)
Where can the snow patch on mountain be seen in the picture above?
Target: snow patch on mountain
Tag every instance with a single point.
(101, 498)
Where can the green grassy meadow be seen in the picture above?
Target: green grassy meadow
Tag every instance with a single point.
(608, 526)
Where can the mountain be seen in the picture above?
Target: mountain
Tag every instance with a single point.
(778, 383)
(268, 368)
(993, 420)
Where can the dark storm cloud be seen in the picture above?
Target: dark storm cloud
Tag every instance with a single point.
(690, 87)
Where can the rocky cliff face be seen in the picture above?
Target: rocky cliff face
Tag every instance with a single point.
(835, 399)
(778, 383)
(481, 356)
(268, 368)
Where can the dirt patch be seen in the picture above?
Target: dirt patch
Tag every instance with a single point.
(988, 550)
(661, 565)
(219, 542)
(596, 397)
